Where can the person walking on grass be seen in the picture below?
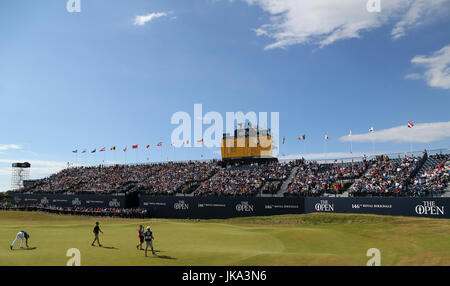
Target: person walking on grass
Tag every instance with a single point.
(148, 235)
(23, 236)
(96, 232)
(141, 237)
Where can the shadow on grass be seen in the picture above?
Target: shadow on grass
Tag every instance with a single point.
(165, 257)
(157, 251)
(161, 256)
(110, 247)
(30, 248)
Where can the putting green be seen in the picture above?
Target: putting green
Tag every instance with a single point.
(314, 239)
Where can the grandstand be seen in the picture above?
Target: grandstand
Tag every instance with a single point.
(384, 175)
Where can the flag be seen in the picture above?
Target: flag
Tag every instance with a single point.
(125, 150)
(410, 124)
(159, 144)
(75, 151)
(135, 146)
(102, 150)
(326, 136)
(371, 130)
(93, 151)
(113, 148)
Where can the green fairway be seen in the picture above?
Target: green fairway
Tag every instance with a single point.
(314, 239)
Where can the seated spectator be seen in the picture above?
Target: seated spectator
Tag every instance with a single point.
(388, 177)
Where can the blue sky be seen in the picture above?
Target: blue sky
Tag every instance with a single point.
(96, 79)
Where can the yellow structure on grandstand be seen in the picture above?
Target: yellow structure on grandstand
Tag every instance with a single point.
(247, 144)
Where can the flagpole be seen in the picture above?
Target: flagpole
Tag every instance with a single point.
(373, 145)
(351, 143)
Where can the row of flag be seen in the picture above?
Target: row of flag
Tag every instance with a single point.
(114, 148)
(301, 138)
(160, 144)
(371, 130)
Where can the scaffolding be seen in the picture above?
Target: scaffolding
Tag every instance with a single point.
(20, 173)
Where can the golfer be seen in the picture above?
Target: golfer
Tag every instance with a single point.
(141, 237)
(20, 235)
(96, 232)
(148, 236)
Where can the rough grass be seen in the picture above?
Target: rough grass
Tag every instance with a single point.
(314, 239)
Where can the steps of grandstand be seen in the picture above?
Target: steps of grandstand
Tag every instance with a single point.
(344, 195)
(430, 161)
(285, 186)
(267, 195)
(446, 193)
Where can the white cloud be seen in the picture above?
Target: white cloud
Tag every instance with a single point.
(420, 133)
(141, 20)
(323, 22)
(417, 11)
(437, 67)
(10, 147)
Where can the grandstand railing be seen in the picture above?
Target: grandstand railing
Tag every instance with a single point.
(372, 156)
(348, 159)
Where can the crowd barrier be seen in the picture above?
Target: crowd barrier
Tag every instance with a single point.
(219, 207)
(419, 207)
(85, 201)
(212, 207)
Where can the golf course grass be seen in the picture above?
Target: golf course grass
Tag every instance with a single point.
(297, 240)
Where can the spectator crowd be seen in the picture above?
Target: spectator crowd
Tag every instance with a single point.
(388, 177)
(167, 178)
(382, 176)
(313, 179)
(434, 179)
(245, 180)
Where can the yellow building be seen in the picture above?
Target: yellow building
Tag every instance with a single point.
(247, 144)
